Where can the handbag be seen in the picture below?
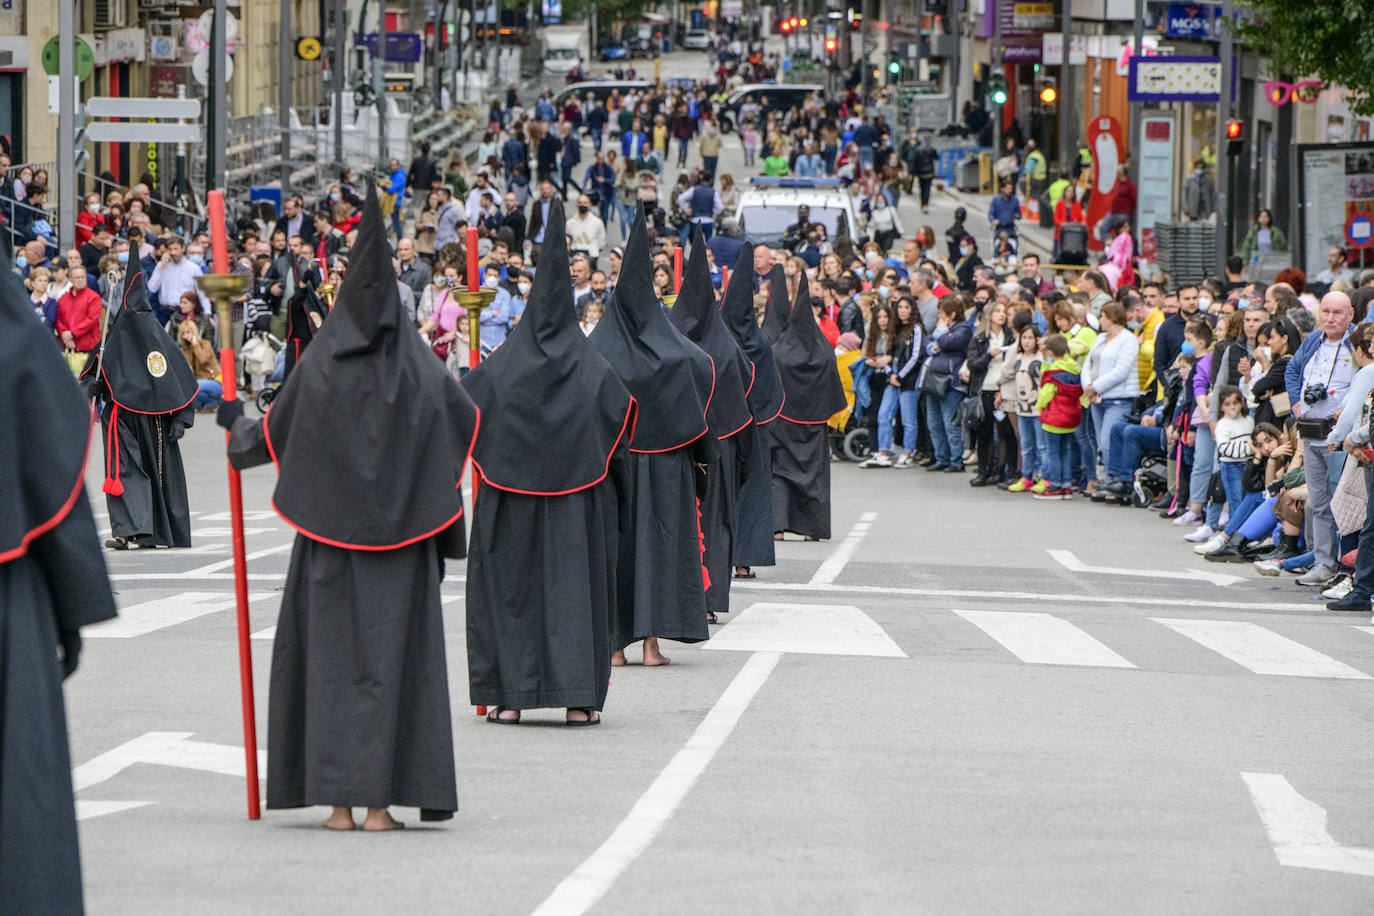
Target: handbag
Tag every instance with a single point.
(440, 346)
(936, 381)
(76, 361)
(1216, 490)
(1279, 403)
(973, 411)
(1349, 500)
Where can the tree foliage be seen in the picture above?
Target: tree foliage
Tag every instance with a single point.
(1330, 40)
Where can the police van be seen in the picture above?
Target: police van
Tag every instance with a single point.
(767, 206)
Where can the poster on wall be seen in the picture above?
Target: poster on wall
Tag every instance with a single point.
(1155, 200)
(1335, 197)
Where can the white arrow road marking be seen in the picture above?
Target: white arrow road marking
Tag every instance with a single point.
(580, 891)
(590, 881)
(173, 749)
(1297, 829)
(1069, 561)
(1043, 639)
(813, 629)
(141, 619)
(1261, 650)
(830, 570)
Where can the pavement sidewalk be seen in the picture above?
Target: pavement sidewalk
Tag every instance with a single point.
(1033, 239)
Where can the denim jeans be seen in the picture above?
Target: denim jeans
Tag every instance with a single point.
(681, 151)
(1032, 461)
(708, 163)
(1204, 463)
(596, 137)
(1364, 560)
(830, 153)
(606, 207)
(1231, 472)
(887, 414)
(942, 412)
(1129, 443)
(890, 193)
(209, 393)
(1105, 416)
(906, 402)
(1240, 513)
(1260, 521)
(1082, 457)
(866, 157)
(627, 216)
(1058, 455)
(1322, 466)
(749, 152)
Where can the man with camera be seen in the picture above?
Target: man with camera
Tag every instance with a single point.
(1317, 379)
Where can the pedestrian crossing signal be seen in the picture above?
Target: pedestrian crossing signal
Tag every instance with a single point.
(1235, 135)
(997, 89)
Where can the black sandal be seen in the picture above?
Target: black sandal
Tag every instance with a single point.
(495, 716)
(747, 574)
(711, 617)
(579, 723)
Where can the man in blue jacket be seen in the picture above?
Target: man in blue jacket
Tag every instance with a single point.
(1317, 379)
(1005, 210)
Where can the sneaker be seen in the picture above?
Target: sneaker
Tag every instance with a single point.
(1317, 575)
(1343, 587)
(876, 460)
(1203, 533)
(1267, 567)
(1055, 493)
(1351, 601)
(1188, 518)
(903, 461)
(1214, 543)
(1022, 485)
(1040, 487)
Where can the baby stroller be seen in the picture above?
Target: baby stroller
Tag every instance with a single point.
(850, 439)
(1151, 479)
(264, 356)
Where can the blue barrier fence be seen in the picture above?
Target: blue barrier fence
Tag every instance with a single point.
(950, 156)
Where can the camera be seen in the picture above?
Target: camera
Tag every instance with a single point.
(1314, 393)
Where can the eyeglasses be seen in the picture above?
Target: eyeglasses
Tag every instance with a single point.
(1278, 92)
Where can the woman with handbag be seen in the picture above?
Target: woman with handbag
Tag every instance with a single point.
(1269, 391)
(945, 353)
(982, 373)
(443, 329)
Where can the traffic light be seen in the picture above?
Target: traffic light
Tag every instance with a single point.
(997, 88)
(785, 25)
(830, 45)
(1049, 91)
(894, 66)
(1235, 135)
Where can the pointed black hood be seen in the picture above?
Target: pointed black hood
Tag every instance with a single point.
(45, 427)
(553, 410)
(370, 434)
(696, 316)
(737, 308)
(779, 309)
(669, 376)
(142, 369)
(806, 362)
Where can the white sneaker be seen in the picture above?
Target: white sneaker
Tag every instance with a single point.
(903, 461)
(1216, 542)
(1202, 534)
(1342, 588)
(1188, 518)
(876, 460)
(1267, 567)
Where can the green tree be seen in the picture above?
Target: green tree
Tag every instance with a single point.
(1330, 40)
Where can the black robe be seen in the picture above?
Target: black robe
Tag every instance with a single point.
(552, 509)
(144, 452)
(370, 437)
(52, 582)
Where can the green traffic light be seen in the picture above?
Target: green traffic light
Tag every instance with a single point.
(999, 96)
(894, 68)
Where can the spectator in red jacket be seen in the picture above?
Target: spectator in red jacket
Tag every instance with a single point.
(90, 217)
(78, 315)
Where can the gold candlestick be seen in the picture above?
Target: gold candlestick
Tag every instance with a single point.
(670, 299)
(474, 301)
(223, 289)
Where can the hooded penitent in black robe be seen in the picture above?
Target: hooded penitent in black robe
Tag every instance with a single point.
(662, 587)
(147, 388)
(801, 449)
(52, 582)
(370, 437)
(549, 514)
(697, 316)
(753, 544)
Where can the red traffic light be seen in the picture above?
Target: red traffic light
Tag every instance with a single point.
(784, 26)
(793, 22)
(1234, 129)
(830, 44)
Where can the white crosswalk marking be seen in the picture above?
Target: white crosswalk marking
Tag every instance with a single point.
(1261, 650)
(1043, 639)
(141, 619)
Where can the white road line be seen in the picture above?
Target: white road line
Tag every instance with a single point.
(1261, 650)
(171, 749)
(970, 594)
(252, 515)
(1297, 829)
(149, 616)
(227, 532)
(88, 810)
(830, 570)
(268, 633)
(1070, 561)
(225, 564)
(1368, 631)
(1043, 639)
(183, 577)
(815, 629)
(581, 890)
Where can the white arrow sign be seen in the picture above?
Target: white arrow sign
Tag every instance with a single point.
(1069, 561)
(1297, 829)
(172, 749)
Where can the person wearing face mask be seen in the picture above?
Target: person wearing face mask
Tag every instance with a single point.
(1199, 194)
(89, 218)
(587, 231)
(496, 317)
(884, 223)
(967, 262)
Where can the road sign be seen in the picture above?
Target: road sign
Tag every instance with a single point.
(870, 45)
(1359, 231)
(85, 57)
(142, 132)
(308, 48)
(113, 107)
(200, 67)
(231, 26)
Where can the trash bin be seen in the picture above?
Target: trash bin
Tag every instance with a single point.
(966, 175)
(1046, 212)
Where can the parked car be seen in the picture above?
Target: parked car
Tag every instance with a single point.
(697, 40)
(614, 49)
(598, 89)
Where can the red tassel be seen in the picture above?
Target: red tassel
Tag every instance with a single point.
(113, 486)
(701, 540)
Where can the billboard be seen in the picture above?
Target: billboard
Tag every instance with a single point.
(1335, 196)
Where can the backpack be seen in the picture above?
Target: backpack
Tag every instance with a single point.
(1073, 243)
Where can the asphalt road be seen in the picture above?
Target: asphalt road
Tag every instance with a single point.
(930, 713)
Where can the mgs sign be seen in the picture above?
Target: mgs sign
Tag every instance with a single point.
(1190, 20)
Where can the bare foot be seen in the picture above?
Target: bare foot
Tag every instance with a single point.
(618, 659)
(381, 819)
(652, 657)
(341, 819)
